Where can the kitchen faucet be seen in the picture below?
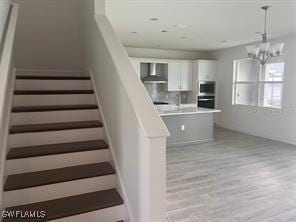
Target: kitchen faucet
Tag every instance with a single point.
(178, 98)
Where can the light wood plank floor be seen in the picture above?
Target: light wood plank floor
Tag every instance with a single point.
(236, 178)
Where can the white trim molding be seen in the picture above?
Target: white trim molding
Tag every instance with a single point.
(7, 77)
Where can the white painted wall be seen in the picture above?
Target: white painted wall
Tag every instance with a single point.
(270, 123)
(166, 54)
(135, 131)
(4, 9)
(100, 7)
(48, 35)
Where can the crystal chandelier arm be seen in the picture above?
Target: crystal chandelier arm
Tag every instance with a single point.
(264, 52)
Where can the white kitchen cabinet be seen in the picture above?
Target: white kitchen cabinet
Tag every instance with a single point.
(173, 76)
(136, 65)
(179, 76)
(186, 75)
(206, 70)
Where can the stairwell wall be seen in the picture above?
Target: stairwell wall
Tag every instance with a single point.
(135, 131)
(48, 35)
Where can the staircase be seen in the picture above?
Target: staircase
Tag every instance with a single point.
(58, 160)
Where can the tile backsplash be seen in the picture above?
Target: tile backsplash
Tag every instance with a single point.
(158, 93)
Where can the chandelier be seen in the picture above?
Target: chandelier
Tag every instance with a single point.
(264, 51)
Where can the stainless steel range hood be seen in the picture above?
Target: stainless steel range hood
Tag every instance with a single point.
(152, 76)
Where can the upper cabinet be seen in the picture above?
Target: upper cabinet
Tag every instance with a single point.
(174, 76)
(206, 70)
(186, 75)
(179, 73)
(180, 76)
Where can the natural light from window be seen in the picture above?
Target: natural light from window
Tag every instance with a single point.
(255, 85)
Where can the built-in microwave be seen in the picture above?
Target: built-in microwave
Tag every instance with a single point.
(206, 88)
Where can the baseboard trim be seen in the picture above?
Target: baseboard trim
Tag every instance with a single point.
(253, 133)
(188, 143)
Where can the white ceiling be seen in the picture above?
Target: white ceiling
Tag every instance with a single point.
(209, 22)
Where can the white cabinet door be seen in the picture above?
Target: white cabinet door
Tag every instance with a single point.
(174, 76)
(136, 65)
(206, 70)
(186, 76)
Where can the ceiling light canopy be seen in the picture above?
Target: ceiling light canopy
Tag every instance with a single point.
(154, 19)
(264, 51)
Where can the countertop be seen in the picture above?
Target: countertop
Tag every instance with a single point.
(185, 109)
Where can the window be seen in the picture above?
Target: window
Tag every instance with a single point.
(255, 85)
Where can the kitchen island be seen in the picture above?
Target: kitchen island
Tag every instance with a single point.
(188, 124)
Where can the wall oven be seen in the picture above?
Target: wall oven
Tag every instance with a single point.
(206, 102)
(206, 88)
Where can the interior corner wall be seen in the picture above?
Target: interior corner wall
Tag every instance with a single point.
(48, 35)
(277, 124)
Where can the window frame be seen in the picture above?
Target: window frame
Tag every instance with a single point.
(257, 84)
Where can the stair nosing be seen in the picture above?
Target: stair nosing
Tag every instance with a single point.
(31, 77)
(99, 195)
(49, 127)
(48, 149)
(54, 176)
(52, 92)
(49, 108)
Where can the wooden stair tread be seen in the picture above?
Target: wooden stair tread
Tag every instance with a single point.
(53, 149)
(51, 92)
(54, 126)
(19, 109)
(70, 206)
(46, 177)
(53, 77)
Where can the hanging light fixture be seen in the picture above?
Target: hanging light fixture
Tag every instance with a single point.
(263, 52)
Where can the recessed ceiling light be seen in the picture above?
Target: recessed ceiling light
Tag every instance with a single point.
(154, 19)
(180, 26)
(164, 30)
(183, 37)
(134, 32)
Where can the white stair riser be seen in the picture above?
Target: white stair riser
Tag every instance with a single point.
(58, 190)
(41, 100)
(32, 164)
(111, 214)
(54, 116)
(54, 137)
(29, 84)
